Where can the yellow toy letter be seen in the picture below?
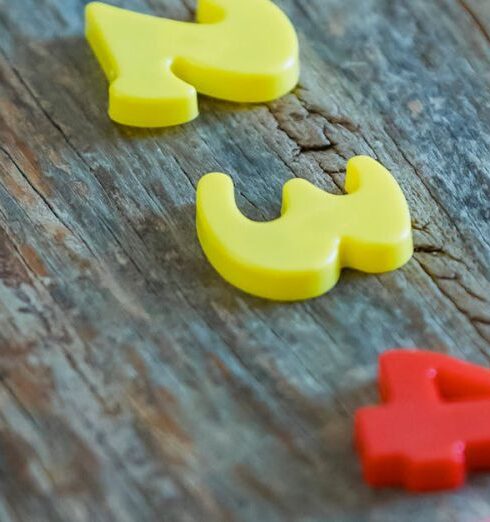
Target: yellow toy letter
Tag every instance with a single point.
(241, 50)
(300, 254)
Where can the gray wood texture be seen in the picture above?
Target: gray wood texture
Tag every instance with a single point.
(135, 384)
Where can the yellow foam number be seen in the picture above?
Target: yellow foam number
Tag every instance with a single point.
(300, 254)
(241, 50)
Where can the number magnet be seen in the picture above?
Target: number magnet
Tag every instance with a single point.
(300, 254)
(241, 50)
(433, 425)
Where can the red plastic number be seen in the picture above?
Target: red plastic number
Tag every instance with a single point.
(433, 426)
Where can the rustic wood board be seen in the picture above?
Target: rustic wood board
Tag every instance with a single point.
(135, 384)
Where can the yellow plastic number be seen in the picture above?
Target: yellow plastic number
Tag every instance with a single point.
(241, 50)
(300, 254)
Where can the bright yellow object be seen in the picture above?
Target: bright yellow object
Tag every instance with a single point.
(241, 50)
(300, 254)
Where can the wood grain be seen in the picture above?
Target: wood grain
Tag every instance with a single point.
(135, 385)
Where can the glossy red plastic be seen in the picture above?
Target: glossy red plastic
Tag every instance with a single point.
(434, 424)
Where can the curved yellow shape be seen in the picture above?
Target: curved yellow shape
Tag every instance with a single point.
(242, 50)
(300, 254)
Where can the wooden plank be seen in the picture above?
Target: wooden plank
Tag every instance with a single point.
(135, 383)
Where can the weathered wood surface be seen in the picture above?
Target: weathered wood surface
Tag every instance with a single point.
(135, 384)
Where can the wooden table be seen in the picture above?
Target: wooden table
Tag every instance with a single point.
(136, 385)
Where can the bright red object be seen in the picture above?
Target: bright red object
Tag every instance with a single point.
(434, 424)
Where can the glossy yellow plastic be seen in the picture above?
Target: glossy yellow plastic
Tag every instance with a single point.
(241, 50)
(300, 254)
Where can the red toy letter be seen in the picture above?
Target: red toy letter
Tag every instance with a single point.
(433, 426)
